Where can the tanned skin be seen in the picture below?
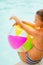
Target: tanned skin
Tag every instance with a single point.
(36, 53)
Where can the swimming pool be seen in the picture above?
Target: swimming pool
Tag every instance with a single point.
(24, 10)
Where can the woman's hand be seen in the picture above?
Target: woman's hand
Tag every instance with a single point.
(16, 19)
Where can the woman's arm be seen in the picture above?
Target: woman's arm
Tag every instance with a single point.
(28, 23)
(29, 30)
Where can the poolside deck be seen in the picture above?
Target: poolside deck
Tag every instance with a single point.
(22, 63)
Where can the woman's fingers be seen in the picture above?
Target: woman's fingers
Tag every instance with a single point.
(15, 18)
(11, 18)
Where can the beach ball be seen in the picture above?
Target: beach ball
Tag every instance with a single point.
(18, 37)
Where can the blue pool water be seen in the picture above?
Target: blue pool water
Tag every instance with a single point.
(24, 10)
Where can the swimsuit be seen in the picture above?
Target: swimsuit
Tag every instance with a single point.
(30, 61)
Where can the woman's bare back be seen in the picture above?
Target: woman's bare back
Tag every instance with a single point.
(38, 39)
(37, 51)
